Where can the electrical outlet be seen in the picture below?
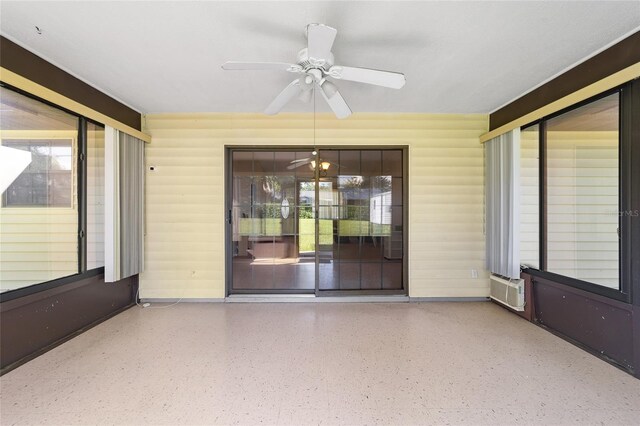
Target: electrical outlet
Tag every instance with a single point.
(474, 273)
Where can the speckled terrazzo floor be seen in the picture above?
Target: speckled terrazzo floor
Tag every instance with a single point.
(318, 363)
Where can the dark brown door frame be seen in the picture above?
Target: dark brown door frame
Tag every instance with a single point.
(229, 149)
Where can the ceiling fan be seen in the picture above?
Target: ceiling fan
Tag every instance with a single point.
(315, 63)
(322, 164)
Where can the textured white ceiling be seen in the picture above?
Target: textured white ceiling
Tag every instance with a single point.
(461, 57)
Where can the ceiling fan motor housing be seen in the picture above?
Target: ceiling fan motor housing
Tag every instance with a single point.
(314, 63)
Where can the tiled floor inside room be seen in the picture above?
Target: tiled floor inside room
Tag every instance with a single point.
(318, 363)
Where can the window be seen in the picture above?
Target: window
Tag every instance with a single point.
(95, 196)
(47, 181)
(571, 221)
(530, 196)
(582, 181)
(39, 212)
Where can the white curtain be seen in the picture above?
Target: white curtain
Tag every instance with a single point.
(124, 205)
(502, 200)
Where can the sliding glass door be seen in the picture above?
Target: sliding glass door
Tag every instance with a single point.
(361, 219)
(316, 221)
(272, 230)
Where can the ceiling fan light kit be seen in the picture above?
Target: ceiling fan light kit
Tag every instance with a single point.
(316, 64)
(324, 165)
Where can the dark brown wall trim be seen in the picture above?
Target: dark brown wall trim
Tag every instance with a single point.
(631, 109)
(33, 324)
(618, 57)
(607, 328)
(30, 66)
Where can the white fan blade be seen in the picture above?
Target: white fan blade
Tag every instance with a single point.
(394, 80)
(295, 166)
(300, 160)
(289, 92)
(335, 100)
(319, 42)
(278, 66)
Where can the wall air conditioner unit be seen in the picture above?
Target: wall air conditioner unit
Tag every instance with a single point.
(508, 292)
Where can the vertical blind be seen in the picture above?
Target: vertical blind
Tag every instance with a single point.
(502, 199)
(124, 205)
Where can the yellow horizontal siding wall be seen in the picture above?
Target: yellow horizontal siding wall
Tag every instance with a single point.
(185, 248)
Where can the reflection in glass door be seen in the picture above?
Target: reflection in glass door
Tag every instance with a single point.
(297, 229)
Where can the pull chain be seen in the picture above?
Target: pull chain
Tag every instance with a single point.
(314, 118)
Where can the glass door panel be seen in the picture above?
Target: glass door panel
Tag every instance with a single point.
(367, 214)
(298, 230)
(268, 240)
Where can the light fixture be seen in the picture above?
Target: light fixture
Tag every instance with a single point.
(324, 166)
